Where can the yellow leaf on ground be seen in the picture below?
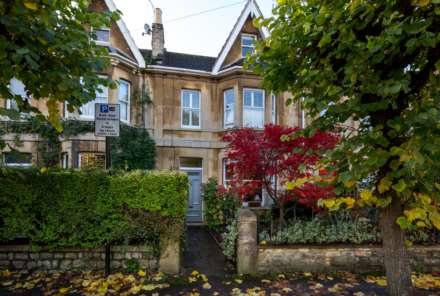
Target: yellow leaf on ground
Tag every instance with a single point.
(207, 286)
(142, 273)
(63, 290)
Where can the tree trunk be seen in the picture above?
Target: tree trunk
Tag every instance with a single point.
(397, 264)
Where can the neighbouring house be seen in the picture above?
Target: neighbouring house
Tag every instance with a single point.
(194, 101)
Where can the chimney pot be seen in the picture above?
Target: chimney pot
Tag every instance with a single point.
(158, 16)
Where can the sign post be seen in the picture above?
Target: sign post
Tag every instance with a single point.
(107, 124)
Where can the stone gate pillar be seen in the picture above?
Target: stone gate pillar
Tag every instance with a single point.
(247, 248)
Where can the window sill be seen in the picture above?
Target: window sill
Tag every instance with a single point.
(191, 128)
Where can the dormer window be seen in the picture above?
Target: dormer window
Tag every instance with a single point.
(247, 44)
(101, 36)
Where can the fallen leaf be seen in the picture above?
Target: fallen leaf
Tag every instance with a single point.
(238, 281)
(207, 286)
(142, 273)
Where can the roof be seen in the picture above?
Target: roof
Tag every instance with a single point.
(182, 61)
(251, 9)
(124, 30)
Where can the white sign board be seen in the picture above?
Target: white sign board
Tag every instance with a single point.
(107, 120)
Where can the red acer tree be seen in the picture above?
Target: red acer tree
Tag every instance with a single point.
(257, 158)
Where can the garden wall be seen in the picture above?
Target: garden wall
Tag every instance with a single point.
(24, 258)
(360, 259)
(256, 259)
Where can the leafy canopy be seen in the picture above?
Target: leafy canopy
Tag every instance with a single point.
(46, 45)
(377, 63)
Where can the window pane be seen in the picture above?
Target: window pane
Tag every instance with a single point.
(102, 94)
(229, 97)
(247, 41)
(196, 99)
(195, 118)
(258, 98)
(246, 50)
(185, 117)
(102, 35)
(124, 111)
(248, 98)
(185, 99)
(123, 91)
(253, 117)
(189, 162)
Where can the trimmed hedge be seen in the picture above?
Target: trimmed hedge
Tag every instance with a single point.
(90, 208)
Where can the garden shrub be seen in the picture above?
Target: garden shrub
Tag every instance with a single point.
(89, 209)
(220, 205)
(339, 228)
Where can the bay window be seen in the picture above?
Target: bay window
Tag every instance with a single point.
(253, 108)
(124, 100)
(190, 105)
(229, 108)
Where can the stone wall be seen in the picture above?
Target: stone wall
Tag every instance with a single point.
(255, 259)
(360, 259)
(24, 258)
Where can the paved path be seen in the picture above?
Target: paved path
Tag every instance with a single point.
(202, 253)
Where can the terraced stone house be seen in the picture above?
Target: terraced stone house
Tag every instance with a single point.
(194, 101)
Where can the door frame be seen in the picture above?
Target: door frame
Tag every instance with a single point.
(197, 170)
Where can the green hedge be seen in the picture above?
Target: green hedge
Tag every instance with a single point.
(90, 208)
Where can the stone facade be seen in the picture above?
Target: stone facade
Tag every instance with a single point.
(24, 258)
(255, 259)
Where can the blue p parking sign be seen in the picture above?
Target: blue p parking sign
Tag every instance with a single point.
(104, 108)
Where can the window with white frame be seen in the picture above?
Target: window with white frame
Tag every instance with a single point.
(17, 159)
(227, 174)
(229, 108)
(124, 100)
(253, 108)
(274, 109)
(247, 44)
(16, 88)
(88, 110)
(101, 35)
(190, 103)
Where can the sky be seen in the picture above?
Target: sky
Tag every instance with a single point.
(202, 34)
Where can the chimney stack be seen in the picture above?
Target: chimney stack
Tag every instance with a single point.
(158, 37)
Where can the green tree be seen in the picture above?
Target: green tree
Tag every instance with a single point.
(46, 45)
(377, 63)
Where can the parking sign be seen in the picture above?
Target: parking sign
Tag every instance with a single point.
(107, 118)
